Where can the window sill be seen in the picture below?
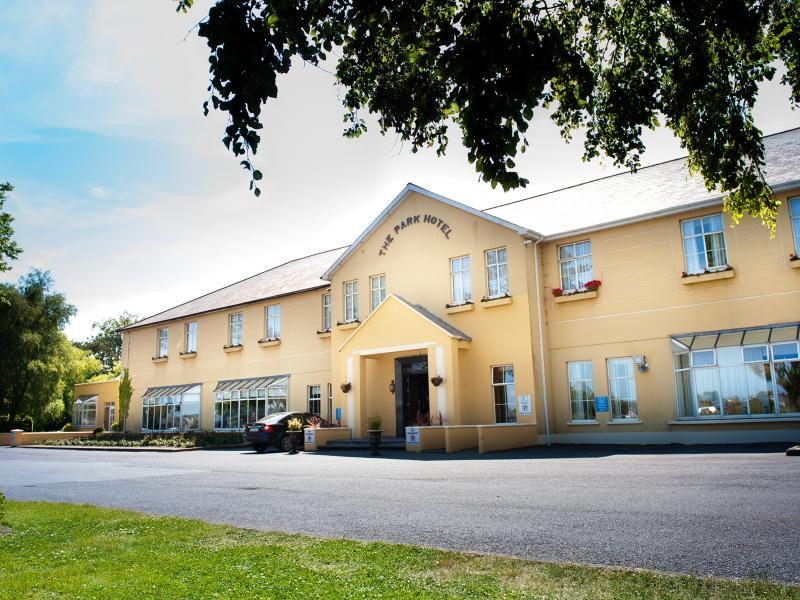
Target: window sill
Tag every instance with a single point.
(159, 359)
(233, 348)
(733, 421)
(457, 308)
(591, 422)
(690, 279)
(350, 325)
(492, 302)
(267, 343)
(624, 422)
(574, 297)
(794, 264)
(188, 354)
(324, 334)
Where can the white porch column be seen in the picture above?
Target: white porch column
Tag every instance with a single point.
(351, 403)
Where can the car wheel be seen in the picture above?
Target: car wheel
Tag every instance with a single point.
(285, 443)
(260, 448)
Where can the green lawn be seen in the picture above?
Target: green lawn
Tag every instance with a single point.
(63, 550)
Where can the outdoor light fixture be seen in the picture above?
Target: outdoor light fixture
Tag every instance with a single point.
(437, 381)
(641, 362)
(391, 386)
(345, 387)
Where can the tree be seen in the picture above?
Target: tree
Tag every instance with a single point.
(106, 344)
(611, 67)
(9, 250)
(125, 393)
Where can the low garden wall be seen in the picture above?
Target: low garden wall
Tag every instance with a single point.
(424, 439)
(460, 437)
(27, 438)
(317, 438)
(506, 436)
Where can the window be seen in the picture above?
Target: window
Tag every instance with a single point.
(704, 244)
(505, 402)
(109, 414)
(622, 389)
(314, 400)
(326, 312)
(235, 329)
(497, 272)
(350, 301)
(581, 390)
(377, 291)
(460, 280)
(746, 373)
(162, 344)
(575, 265)
(190, 337)
(794, 213)
(330, 402)
(233, 409)
(272, 318)
(175, 412)
(84, 411)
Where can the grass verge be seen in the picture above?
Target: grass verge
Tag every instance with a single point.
(78, 551)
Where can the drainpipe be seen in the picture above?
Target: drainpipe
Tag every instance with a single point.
(541, 341)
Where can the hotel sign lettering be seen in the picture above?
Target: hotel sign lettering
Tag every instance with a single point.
(413, 220)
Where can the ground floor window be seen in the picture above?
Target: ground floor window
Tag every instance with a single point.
(84, 411)
(738, 374)
(233, 409)
(314, 400)
(330, 402)
(109, 416)
(581, 390)
(171, 410)
(505, 403)
(622, 389)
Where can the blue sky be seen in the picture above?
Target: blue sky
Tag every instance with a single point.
(125, 193)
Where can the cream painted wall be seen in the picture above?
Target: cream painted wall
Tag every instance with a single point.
(302, 354)
(107, 393)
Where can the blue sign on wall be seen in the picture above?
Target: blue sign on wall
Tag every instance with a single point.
(338, 413)
(601, 404)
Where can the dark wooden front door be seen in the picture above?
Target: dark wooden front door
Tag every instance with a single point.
(411, 391)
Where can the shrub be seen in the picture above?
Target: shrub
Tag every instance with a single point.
(294, 425)
(68, 427)
(115, 426)
(97, 430)
(374, 422)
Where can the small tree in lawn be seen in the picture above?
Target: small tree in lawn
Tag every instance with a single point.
(125, 393)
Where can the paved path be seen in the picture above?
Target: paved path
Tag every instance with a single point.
(727, 512)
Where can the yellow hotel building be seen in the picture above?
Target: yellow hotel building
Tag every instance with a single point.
(622, 310)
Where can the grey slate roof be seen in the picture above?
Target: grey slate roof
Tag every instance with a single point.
(452, 331)
(298, 275)
(662, 188)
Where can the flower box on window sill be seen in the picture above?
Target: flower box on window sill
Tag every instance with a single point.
(188, 354)
(323, 333)
(632, 421)
(689, 278)
(457, 308)
(271, 342)
(159, 359)
(348, 324)
(574, 296)
(236, 348)
(499, 301)
(584, 422)
(794, 261)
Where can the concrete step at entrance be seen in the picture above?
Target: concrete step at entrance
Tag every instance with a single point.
(392, 443)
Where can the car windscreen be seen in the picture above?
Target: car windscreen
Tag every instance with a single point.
(275, 418)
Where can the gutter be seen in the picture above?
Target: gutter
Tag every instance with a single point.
(541, 342)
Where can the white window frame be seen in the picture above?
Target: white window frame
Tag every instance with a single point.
(493, 271)
(618, 418)
(314, 394)
(330, 402)
(795, 220)
(581, 279)
(272, 322)
(327, 312)
(235, 323)
(377, 290)
(704, 235)
(190, 337)
(350, 289)
(570, 381)
(162, 342)
(460, 280)
(506, 385)
(155, 405)
(228, 400)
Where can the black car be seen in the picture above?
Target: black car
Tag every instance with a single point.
(271, 431)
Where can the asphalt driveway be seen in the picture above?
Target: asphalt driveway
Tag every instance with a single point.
(732, 512)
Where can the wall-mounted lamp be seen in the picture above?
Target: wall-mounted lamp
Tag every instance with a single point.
(437, 381)
(391, 387)
(641, 362)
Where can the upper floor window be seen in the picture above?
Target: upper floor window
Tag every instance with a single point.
(326, 312)
(314, 400)
(162, 344)
(794, 212)
(497, 272)
(235, 329)
(575, 265)
(581, 390)
(622, 389)
(190, 341)
(460, 280)
(272, 317)
(377, 291)
(505, 402)
(350, 301)
(704, 244)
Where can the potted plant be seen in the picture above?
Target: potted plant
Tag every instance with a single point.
(294, 429)
(374, 429)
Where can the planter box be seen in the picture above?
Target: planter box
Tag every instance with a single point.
(459, 308)
(490, 303)
(794, 264)
(343, 326)
(324, 334)
(230, 349)
(268, 343)
(574, 297)
(160, 359)
(690, 279)
(188, 354)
